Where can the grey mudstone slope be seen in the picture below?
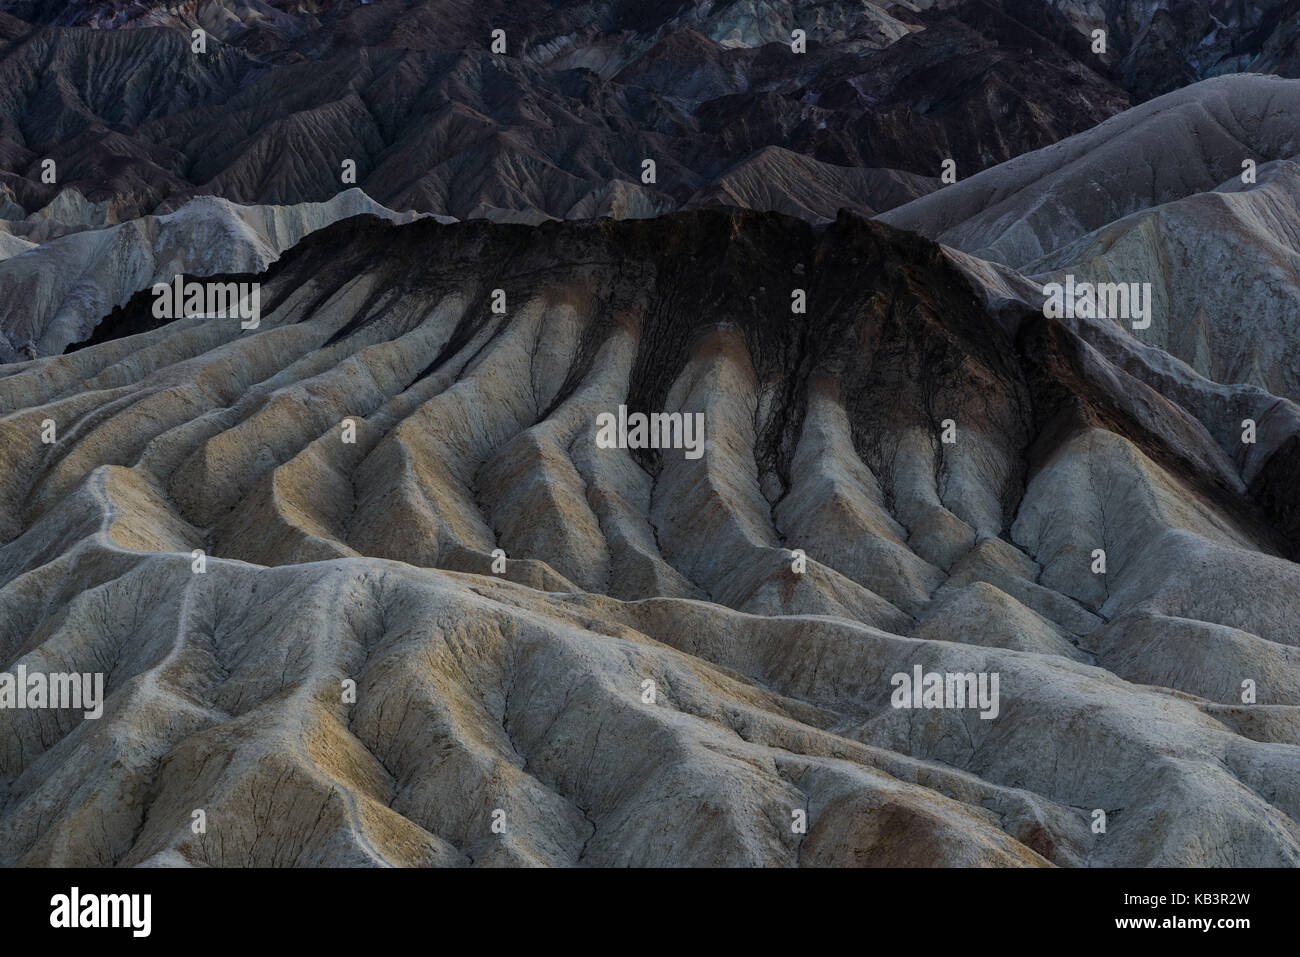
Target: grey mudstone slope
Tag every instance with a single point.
(1160, 196)
(56, 292)
(1170, 148)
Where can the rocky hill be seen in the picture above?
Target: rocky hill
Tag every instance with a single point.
(650, 675)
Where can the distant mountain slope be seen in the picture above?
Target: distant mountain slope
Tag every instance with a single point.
(559, 126)
(1156, 196)
(1225, 273)
(584, 94)
(1180, 144)
(784, 182)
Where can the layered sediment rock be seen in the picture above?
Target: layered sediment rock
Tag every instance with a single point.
(649, 674)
